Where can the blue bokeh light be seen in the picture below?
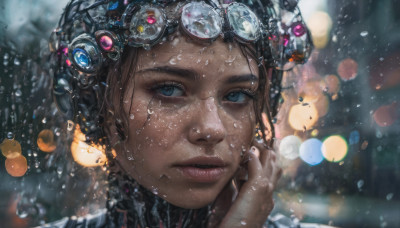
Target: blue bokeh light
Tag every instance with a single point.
(310, 151)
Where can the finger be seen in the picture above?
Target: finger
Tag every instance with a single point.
(265, 153)
(254, 165)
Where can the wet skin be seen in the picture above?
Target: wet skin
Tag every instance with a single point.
(192, 105)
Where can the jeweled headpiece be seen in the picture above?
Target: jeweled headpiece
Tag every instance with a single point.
(93, 33)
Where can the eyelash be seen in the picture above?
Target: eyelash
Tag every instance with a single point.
(249, 93)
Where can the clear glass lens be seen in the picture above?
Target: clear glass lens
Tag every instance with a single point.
(201, 20)
(147, 26)
(243, 21)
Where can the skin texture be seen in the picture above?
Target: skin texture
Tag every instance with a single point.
(188, 101)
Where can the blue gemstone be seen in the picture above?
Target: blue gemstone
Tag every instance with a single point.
(113, 5)
(81, 57)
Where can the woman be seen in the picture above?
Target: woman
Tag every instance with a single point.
(177, 89)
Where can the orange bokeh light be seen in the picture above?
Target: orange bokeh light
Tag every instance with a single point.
(45, 141)
(10, 148)
(17, 166)
(386, 115)
(88, 155)
(332, 84)
(334, 148)
(347, 69)
(303, 116)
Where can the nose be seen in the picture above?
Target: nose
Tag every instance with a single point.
(207, 127)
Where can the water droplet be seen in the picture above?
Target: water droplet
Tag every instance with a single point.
(206, 63)
(10, 135)
(360, 184)
(131, 116)
(70, 125)
(389, 196)
(381, 59)
(18, 93)
(179, 57)
(16, 62)
(150, 112)
(364, 33)
(173, 60)
(301, 99)
(243, 222)
(154, 190)
(234, 125)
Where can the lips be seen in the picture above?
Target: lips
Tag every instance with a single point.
(202, 169)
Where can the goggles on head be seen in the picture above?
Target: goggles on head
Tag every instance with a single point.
(145, 25)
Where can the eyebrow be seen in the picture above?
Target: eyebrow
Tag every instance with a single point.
(242, 78)
(193, 75)
(180, 72)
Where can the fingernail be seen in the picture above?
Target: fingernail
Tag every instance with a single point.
(255, 151)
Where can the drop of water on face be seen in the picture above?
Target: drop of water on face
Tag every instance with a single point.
(179, 57)
(173, 60)
(150, 112)
(154, 190)
(389, 196)
(206, 63)
(234, 125)
(230, 59)
(243, 222)
(131, 116)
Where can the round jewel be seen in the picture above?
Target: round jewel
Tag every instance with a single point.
(84, 54)
(244, 22)
(201, 21)
(81, 57)
(298, 29)
(106, 43)
(147, 26)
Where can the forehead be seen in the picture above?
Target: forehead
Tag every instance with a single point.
(217, 57)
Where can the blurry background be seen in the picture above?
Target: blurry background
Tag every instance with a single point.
(338, 129)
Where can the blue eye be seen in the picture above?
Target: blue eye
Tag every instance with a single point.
(237, 96)
(170, 91)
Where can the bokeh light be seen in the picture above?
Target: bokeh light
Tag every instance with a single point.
(85, 154)
(354, 137)
(386, 115)
(17, 166)
(310, 151)
(347, 69)
(332, 84)
(303, 116)
(45, 141)
(334, 148)
(289, 147)
(320, 24)
(10, 148)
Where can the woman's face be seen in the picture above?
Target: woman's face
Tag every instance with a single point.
(191, 115)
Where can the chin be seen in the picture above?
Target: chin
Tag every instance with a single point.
(194, 200)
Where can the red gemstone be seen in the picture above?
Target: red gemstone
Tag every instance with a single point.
(298, 29)
(151, 19)
(286, 39)
(106, 43)
(68, 62)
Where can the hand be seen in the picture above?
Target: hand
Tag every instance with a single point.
(254, 200)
